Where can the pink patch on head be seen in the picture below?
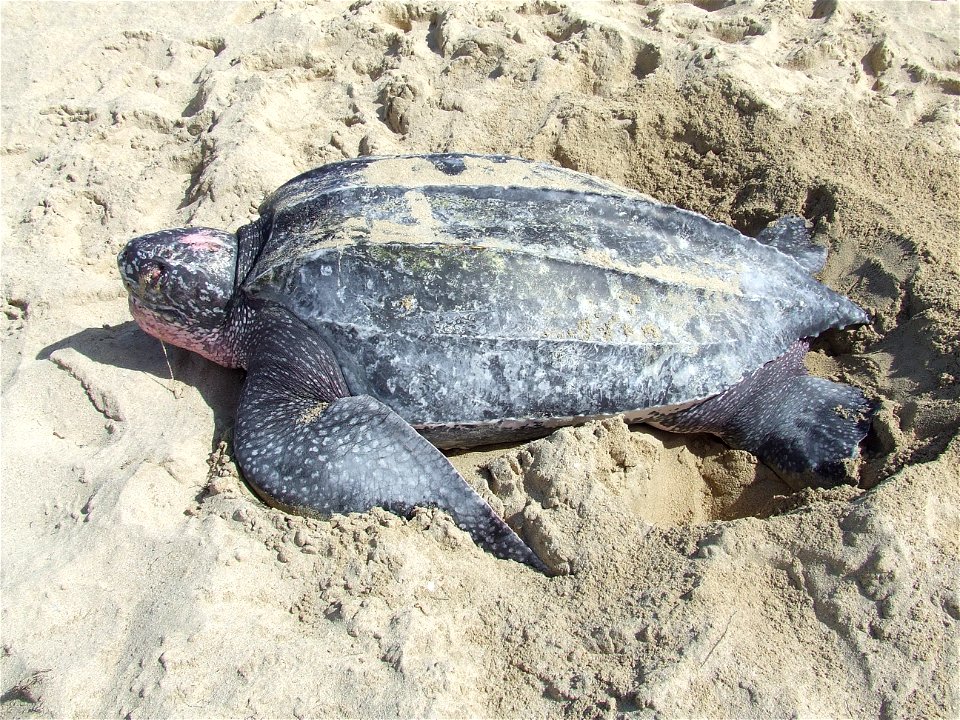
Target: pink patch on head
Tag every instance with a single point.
(203, 240)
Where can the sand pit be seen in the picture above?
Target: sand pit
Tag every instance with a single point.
(142, 578)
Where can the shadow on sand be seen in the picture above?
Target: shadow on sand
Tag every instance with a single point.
(127, 346)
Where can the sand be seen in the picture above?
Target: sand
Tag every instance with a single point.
(140, 576)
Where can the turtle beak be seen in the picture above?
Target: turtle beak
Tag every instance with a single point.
(127, 269)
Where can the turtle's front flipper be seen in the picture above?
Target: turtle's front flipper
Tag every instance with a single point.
(308, 447)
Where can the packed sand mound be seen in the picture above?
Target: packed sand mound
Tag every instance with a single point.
(140, 576)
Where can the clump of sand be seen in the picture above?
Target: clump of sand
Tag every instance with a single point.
(140, 577)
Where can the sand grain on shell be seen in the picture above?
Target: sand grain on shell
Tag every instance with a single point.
(140, 577)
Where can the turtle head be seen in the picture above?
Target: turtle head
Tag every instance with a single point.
(180, 284)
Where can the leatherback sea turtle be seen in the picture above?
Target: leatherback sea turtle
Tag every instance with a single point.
(472, 299)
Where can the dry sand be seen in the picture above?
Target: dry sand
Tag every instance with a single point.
(140, 577)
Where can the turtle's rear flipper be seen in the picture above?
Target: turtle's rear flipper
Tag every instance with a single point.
(306, 447)
(804, 427)
(790, 236)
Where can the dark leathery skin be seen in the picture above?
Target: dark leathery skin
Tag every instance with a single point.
(458, 304)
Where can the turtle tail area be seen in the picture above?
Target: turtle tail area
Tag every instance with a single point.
(806, 428)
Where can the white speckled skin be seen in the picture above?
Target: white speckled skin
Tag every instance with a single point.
(484, 298)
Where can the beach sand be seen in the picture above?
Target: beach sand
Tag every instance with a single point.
(142, 578)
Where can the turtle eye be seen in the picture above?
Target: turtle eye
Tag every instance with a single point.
(151, 274)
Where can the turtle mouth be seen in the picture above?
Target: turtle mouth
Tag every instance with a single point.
(140, 309)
